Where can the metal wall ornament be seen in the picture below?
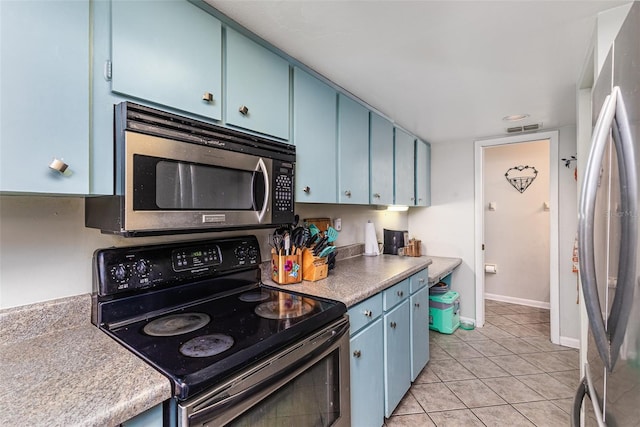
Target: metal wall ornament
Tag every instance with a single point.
(521, 177)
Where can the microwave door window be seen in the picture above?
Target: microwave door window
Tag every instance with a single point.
(189, 186)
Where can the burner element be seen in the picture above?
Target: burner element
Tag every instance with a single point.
(176, 324)
(254, 296)
(206, 345)
(287, 308)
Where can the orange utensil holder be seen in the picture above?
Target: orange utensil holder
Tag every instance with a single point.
(286, 269)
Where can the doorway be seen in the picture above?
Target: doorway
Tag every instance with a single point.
(551, 208)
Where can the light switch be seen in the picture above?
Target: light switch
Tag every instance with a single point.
(492, 206)
(546, 206)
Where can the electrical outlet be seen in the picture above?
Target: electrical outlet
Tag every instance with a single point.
(337, 224)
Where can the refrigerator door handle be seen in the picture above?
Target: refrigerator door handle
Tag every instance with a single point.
(623, 299)
(586, 389)
(586, 214)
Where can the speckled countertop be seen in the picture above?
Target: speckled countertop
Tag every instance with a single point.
(60, 370)
(440, 267)
(357, 278)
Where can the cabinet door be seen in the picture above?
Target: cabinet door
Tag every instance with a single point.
(404, 149)
(419, 331)
(353, 152)
(397, 359)
(367, 393)
(423, 173)
(314, 134)
(257, 87)
(169, 53)
(45, 96)
(381, 159)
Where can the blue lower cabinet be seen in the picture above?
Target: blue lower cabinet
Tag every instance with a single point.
(149, 418)
(367, 392)
(397, 368)
(419, 331)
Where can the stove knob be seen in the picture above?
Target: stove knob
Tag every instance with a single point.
(142, 267)
(253, 252)
(241, 252)
(120, 272)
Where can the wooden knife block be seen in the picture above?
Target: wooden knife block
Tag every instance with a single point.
(313, 267)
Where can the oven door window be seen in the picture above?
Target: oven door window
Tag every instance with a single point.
(310, 399)
(161, 184)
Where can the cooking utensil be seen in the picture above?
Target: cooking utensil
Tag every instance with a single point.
(326, 251)
(313, 229)
(332, 234)
(320, 245)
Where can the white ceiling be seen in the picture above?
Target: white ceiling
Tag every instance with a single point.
(444, 70)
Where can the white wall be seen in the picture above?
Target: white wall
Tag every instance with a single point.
(516, 233)
(447, 227)
(45, 250)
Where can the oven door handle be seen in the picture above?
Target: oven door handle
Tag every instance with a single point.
(227, 404)
(260, 189)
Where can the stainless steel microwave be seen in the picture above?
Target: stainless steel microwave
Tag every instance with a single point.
(178, 175)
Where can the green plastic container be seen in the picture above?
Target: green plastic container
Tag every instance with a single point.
(444, 312)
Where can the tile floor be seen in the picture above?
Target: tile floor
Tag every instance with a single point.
(505, 374)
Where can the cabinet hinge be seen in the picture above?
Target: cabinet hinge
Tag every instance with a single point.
(107, 70)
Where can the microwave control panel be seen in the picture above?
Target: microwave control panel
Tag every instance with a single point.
(283, 185)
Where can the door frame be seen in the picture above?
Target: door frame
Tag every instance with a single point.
(554, 267)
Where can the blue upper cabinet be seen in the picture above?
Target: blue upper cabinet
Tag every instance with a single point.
(381, 159)
(404, 168)
(45, 96)
(169, 53)
(353, 152)
(314, 134)
(423, 173)
(257, 87)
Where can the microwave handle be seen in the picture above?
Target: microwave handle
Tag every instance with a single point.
(260, 189)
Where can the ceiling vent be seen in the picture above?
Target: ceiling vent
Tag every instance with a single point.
(525, 128)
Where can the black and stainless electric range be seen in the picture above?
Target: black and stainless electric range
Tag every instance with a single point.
(236, 352)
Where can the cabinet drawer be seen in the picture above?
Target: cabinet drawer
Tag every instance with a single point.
(395, 294)
(418, 280)
(365, 312)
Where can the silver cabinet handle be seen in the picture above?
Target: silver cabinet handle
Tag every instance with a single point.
(244, 110)
(58, 166)
(207, 96)
(376, 195)
(307, 189)
(368, 313)
(400, 293)
(393, 325)
(347, 193)
(417, 305)
(357, 353)
(421, 280)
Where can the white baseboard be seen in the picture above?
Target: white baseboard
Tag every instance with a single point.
(570, 342)
(514, 300)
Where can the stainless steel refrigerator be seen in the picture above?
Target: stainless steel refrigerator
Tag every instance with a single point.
(608, 240)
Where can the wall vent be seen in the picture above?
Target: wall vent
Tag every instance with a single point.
(525, 128)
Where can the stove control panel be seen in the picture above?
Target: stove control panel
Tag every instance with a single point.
(129, 269)
(195, 257)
